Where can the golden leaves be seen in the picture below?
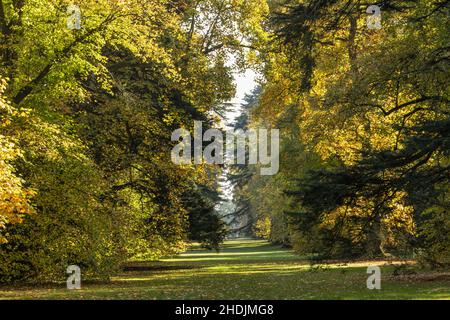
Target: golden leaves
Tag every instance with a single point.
(14, 198)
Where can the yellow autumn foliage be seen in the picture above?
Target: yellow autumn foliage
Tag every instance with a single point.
(14, 197)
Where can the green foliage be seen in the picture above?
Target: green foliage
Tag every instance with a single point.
(205, 224)
(364, 115)
(14, 196)
(86, 119)
(90, 125)
(435, 236)
(70, 225)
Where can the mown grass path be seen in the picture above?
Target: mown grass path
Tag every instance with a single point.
(246, 269)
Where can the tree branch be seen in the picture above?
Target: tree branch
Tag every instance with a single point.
(3, 23)
(221, 45)
(25, 91)
(409, 103)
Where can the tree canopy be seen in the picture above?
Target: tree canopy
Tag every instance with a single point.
(87, 111)
(364, 116)
(86, 120)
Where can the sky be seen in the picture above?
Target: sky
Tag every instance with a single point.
(245, 82)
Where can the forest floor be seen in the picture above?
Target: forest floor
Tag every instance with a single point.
(248, 269)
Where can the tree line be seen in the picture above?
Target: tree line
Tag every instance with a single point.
(86, 117)
(364, 120)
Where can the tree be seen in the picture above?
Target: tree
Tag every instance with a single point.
(102, 103)
(205, 224)
(370, 149)
(14, 196)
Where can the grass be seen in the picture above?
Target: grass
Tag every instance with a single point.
(246, 269)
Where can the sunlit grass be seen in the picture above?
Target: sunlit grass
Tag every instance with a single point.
(245, 269)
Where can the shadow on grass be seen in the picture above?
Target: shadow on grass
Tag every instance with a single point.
(245, 269)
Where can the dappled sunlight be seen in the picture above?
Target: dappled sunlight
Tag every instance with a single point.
(235, 275)
(218, 277)
(185, 255)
